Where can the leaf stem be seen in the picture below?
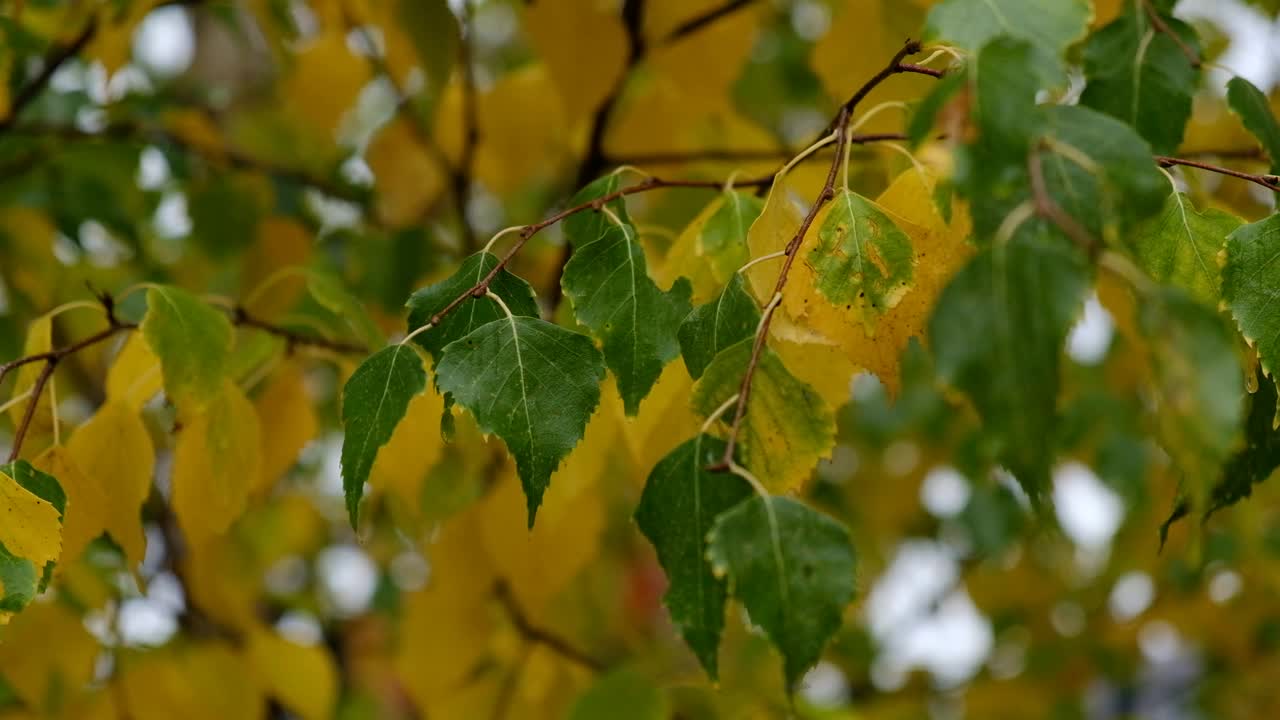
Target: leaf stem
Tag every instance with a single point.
(1270, 182)
(762, 258)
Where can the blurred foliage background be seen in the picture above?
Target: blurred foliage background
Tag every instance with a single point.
(375, 143)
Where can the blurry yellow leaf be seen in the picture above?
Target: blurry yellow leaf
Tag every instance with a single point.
(47, 655)
(281, 243)
(113, 451)
(705, 64)
(523, 136)
(324, 82)
(39, 340)
(583, 46)
(408, 180)
(29, 237)
(539, 563)
(413, 449)
(302, 678)
(32, 527)
(217, 458)
(665, 420)
(112, 42)
(87, 502)
(194, 682)
(134, 377)
(288, 422)
(222, 584)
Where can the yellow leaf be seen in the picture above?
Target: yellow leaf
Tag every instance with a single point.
(539, 563)
(47, 655)
(522, 131)
(685, 258)
(135, 377)
(704, 65)
(324, 82)
(288, 422)
(86, 501)
(583, 45)
(217, 458)
(301, 677)
(665, 420)
(112, 43)
(281, 243)
(770, 233)
(408, 179)
(113, 451)
(208, 681)
(30, 236)
(39, 340)
(414, 447)
(32, 527)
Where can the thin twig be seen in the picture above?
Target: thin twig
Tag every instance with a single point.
(839, 125)
(540, 636)
(1270, 182)
(694, 24)
(1163, 27)
(1047, 208)
(57, 57)
(678, 157)
(241, 317)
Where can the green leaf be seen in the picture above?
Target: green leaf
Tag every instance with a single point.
(433, 30)
(1180, 246)
(1200, 384)
(1140, 75)
(788, 427)
(710, 328)
(862, 259)
(47, 488)
(19, 582)
(1260, 455)
(192, 341)
(723, 240)
(680, 503)
(1051, 24)
(998, 332)
(474, 312)
(531, 383)
(792, 568)
(1249, 281)
(586, 227)
(1254, 110)
(329, 292)
(621, 695)
(608, 282)
(373, 403)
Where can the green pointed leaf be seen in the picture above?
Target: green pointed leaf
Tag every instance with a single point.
(329, 292)
(587, 227)
(1249, 281)
(998, 333)
(622, 695)
(47, 488)
(608, 282)
(1140, 75)
(710, 328)
(680, 503)
(373, 403)
(1200, 384)
(531, 383)
(788, 427)
(1051, 24)
(1180, 246)
(723, 240)
(792, 568)
(192, 341)
(1254, 110)
(473, 313)
(861, 260)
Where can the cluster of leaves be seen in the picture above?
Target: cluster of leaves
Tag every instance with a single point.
(713, 366)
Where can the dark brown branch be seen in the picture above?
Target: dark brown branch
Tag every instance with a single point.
(1270, 182)
(1163, 27)
(57, 57)
(535, 634)
(242, 318)
(921, 70)
(1047, 208)
(694, 24)
(729, 155)
(840, 125)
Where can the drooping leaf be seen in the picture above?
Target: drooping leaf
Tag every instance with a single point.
(303, 678)
(1254, 110)
(288, 422)
(531, 383)
(861, 260)
(1142, 76)
(1052, 24)
(792, 567)
(33, 505)
(1249, 281)
(192, 341)
(998, 334)
(87, 500)
(1180, 246)
(680, 503)
(134, 377)
(1200, 384)
(710, 328)
(788, 427)
(373, 402)
(114, 451)
(608, 282)
(216, 463)
(428, 301)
